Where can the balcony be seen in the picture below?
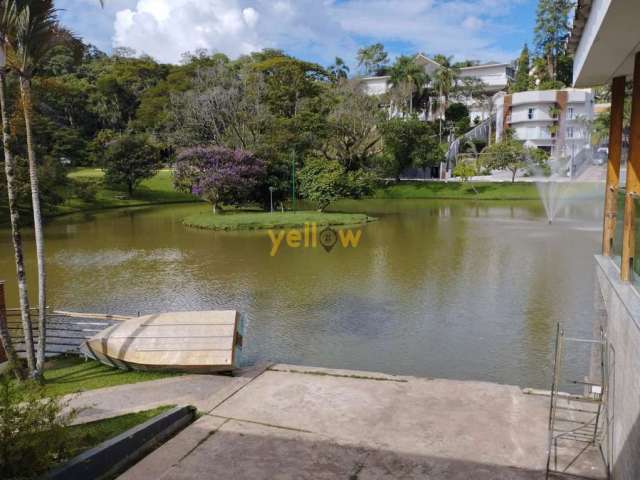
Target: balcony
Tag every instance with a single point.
(533, 97)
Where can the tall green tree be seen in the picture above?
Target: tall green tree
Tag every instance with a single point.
(521, 83)
(131, 159)
(507, 154)
(409, 142)
(407, 77)
(35, 31)
(353, 137)
(373, 58)
(551, 32)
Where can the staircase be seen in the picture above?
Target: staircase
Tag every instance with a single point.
(479, 132)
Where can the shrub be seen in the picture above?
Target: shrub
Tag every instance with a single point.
(464, 170)
(85, 190)
(321, 181)
(33, 429)
(324, 181)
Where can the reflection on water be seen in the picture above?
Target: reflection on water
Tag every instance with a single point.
(437, 288)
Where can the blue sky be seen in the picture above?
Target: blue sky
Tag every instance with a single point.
(316, 30)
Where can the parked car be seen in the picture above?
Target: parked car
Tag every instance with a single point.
(600, 157)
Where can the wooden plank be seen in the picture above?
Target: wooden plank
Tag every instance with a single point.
(3, 322)
(52, 348)
(105, 316)
(633, 181)
(56, 333)
(222, 317)
(170, 331)
(613, 164)
(53, 321)
(174, 344)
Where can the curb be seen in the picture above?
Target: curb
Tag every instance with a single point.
(117, 454)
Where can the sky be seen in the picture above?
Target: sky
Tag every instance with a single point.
(314, 30)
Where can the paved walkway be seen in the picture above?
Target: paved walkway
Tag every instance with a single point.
(202, 391)
(290, 422)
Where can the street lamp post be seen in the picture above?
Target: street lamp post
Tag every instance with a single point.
(293, 181)
(271, 197)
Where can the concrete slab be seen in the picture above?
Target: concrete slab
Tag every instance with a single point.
(247, 450)
(175, 450)
(296, 423)
(483, 422)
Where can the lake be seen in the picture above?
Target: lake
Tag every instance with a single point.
(455, 289)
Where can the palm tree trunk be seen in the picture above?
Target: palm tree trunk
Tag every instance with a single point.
(25, 90)
(16, 237)
(6, 342)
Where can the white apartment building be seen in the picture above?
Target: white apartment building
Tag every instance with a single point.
(495, 76)
(555, 120)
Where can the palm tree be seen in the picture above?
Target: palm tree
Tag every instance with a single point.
(16, 237)
(445, 81)
(339, 70)
(406, 72)
(35, 31)
(373, 58)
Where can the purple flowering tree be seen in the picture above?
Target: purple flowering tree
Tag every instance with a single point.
(219, 175)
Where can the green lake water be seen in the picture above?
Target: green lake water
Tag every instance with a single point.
(455, 289)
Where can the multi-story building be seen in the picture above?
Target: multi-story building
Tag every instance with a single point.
(557, 121)
(494, 77)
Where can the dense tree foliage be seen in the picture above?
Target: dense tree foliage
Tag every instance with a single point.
(87, 105)
(323, 182)
(129, 160)
(551, 31)
(522, 81)
(507, 154)
(219, 175)
(410, 142)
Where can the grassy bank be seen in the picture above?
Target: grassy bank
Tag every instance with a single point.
(70, 374)
(156, 190)
(266, 220)
(89, 435)
(460, 190)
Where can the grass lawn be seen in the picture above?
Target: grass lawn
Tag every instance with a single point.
(70, 374)
(265, 220)
(156, 190)
(462, 190)
(89, 435)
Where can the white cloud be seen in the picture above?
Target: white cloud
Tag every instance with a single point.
(165, 29)
(318, 29)
(472, 23)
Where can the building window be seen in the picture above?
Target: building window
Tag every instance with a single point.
(530, 114)
(570, 132)
(570, 113)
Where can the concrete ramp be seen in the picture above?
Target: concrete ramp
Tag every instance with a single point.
(295, 422)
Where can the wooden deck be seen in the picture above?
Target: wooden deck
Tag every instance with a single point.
(66, 331)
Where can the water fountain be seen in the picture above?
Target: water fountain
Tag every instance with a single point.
(555, 178)
(552, 185)
(552, 194)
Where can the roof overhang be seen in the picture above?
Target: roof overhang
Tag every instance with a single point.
(604, 40)
(421, 58)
